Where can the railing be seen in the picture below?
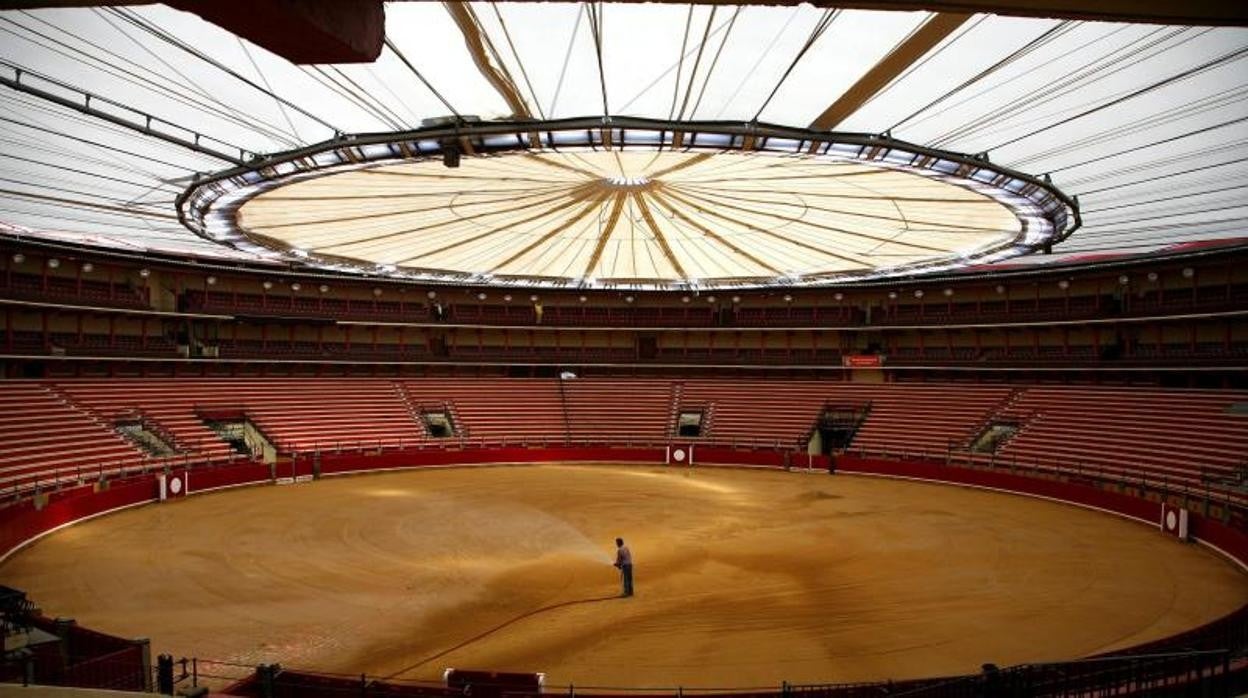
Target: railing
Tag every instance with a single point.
(1232, 501)
(1215, 672)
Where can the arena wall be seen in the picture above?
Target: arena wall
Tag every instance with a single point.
(26, 521)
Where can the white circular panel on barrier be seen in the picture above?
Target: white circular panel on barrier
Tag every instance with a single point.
(1171, 520)
(678, 455)
(175, 485)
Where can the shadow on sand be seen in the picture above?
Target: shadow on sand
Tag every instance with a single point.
(482, 635)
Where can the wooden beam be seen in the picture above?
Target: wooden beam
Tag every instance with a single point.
(933, 31)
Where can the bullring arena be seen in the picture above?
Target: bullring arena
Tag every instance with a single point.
(623, 349)
(752, 577)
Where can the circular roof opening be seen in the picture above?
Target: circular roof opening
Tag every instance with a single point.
(631, 206)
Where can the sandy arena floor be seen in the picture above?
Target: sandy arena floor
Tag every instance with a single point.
(743, 578)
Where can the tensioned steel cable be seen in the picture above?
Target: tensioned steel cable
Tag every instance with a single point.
(1149, 122)
(1171, 214)
(1164, 199)
(757, 62)
(1035, 44)
(697, 62)
(43, 186)
(715, 61)
(663, 75)
(97, 144)
(184, 92)
(395, 50)
(595, 26)
(962, 33)
(281, 108)
(264, 127)
(829, 16)
(1094, 71)
(1137, 182)
(999, 120)
(680, 64)
(384, 113)
(516, 56)
(1224, 59)
(70, 155)
(134, 78)
(73, 118)
(39, 177)
(130, 133)
(84, 204)
(177, 235)
(567, 59)
(1099, 235)
(63, 167)
(385, 85)
(140, 22)
(1176, 159)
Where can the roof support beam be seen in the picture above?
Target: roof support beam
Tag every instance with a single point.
(145, 124)
(497, 75)
(934, 30)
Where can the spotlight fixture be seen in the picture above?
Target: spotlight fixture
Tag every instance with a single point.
(450, 155)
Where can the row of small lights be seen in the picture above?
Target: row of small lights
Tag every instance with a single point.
(1063, 284)
(87, 267)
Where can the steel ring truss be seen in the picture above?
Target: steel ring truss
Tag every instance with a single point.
(628, 203)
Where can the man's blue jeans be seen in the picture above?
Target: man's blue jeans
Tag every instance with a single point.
(626, 571)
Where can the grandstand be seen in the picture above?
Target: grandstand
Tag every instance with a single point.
(657, 253)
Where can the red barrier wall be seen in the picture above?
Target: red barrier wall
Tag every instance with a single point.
(1231, 542)
(22, 523)
(355, 462)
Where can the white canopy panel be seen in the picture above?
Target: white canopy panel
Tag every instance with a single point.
(1147, 125)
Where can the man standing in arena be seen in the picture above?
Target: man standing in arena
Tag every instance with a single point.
(624, 561)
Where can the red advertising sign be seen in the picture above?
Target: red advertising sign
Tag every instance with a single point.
(862, 361)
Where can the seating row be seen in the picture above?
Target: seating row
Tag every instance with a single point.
(65, 428)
